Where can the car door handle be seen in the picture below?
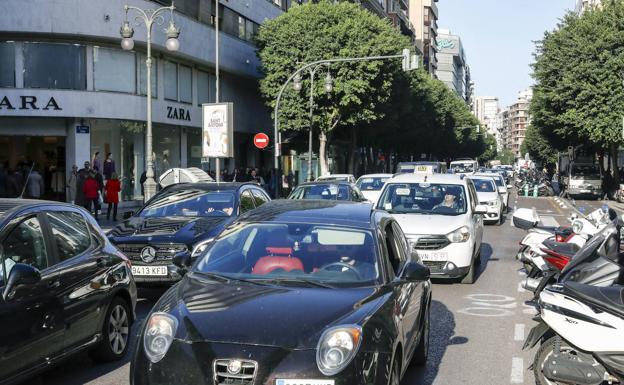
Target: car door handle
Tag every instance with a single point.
(54, 284)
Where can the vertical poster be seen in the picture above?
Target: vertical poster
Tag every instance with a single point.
(217, 130)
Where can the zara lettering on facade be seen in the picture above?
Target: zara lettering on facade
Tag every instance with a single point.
(178, 113)
(29, 103)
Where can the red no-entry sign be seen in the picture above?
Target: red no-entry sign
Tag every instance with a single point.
(261, 140)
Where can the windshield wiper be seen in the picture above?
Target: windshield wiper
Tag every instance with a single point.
(308, 282)
(227, 279)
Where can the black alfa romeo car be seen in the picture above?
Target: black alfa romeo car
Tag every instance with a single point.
(296, 292)
(64, 288)
(181, 217)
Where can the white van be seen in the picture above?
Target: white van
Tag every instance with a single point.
(464, 166)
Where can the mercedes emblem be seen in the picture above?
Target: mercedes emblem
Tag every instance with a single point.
(234, 367)
(148, 254)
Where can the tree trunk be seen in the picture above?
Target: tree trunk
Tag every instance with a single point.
(614, 152)
(323, 153)
(353, 151)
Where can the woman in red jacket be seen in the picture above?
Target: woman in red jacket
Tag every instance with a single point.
(90, 189)
(113, 187)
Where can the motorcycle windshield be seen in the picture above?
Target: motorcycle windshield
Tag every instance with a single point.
(592, 250)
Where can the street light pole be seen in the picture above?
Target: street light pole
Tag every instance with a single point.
(328, 87)
(149, 17)
(298, 72)
(217, 161)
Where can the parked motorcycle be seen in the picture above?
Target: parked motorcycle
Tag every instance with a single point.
(581, 329)
(580, 325)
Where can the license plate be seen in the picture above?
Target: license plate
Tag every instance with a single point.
(149, 270)
(436, 257)
(304, 382)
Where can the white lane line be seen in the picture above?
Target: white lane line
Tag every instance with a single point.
(517, 370)
(519, 332)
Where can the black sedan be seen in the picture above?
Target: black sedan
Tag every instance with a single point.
(328, 190)
(64, 288)
(295, 292)
(181, 217)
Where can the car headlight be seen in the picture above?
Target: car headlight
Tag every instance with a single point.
(460, 235)
(493, 203)
(577, 226)
(159, 333)
(337, 347)
(199, 248)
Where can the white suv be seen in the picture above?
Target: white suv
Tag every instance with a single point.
(442, 219)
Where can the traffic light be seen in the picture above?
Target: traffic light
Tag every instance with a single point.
(410, 61)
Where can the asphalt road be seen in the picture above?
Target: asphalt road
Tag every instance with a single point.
(477, 330)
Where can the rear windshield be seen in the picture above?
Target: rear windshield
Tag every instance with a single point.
(190, 203)
(371, 184)
(327, 191)
(484, 185)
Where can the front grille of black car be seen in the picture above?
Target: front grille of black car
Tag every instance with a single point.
(246, 375)
(431, 243)
(164, 252)
(435, 266)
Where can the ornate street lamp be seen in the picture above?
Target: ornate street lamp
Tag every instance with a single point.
(149, 17)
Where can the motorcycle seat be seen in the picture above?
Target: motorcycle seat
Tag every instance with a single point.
(565, 249)
(610, 298)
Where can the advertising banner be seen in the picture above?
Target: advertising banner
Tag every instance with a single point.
(218, 130)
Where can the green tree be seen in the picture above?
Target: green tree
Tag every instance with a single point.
(324, 30)
(579, 92)
(490, 151)
(538, 147)
(505, 156)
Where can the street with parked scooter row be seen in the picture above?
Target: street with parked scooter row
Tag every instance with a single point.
(477, 331)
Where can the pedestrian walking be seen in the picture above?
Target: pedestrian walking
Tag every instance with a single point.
(109, 166)
(83, 174)
(90, 190)
(35, 186)
(95, 162)
(71, 185)
(4, 181)
(113, 187)
(100, 183)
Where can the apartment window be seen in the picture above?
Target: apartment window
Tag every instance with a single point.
(186, 84)
(55, 66)
(230, 21)
(171, 81)
(7, 65)
(241, 27)
(250, 30)
(142, 70)
(203, 87)
(114, 70)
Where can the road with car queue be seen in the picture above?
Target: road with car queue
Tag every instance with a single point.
(477, 331)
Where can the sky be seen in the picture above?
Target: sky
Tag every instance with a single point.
(498, 38)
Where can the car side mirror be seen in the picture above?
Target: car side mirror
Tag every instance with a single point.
(480, 209)
(21, 274)
(183, 260)
(415, 272)
(128, 214)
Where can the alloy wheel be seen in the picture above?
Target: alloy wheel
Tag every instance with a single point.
(118, 329)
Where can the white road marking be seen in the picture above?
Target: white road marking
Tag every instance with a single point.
(517, 370)
(519, 332)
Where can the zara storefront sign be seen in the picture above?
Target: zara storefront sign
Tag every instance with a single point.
(27, 102)
(178, 113)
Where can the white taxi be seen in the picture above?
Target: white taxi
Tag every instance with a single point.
(442, 220)
(488, 195)
(371, 184)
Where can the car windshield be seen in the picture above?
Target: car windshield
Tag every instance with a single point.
(327, 191)
(585, 172)
(459, 168)
(190, 203)
(294, 252)
(423, 198)
(484, 185)
(371, 184)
